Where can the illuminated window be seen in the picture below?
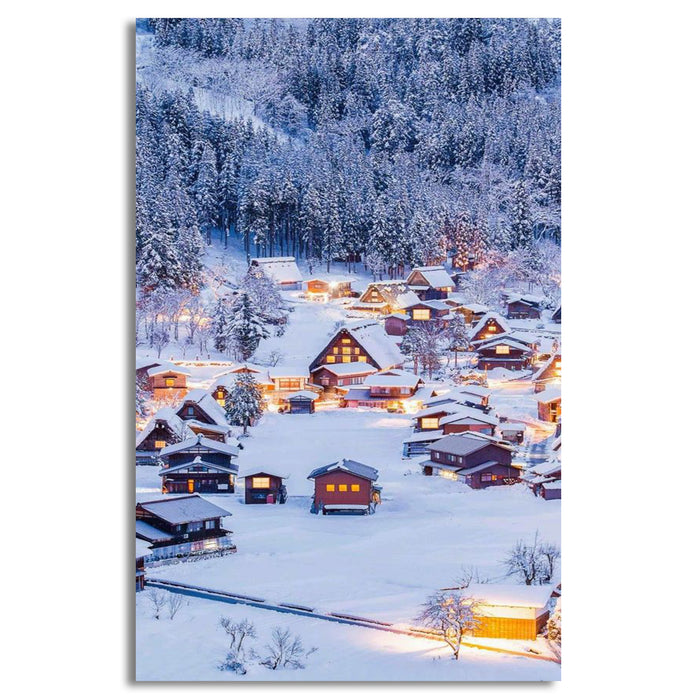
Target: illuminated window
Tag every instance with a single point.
(335, 350)
(343, 487)
(355, 487)
(431, 423)
(491, 328)
(347, 351)
(290, 384)
(220, 394)
(502, 350)
(362, 358)
(356, 351)
(421, 314)
(261, 482)
(169, 381)
(330, 359)
(346, 358)
(486, 476)
(346, 341)
(159, 444)
(330, 487)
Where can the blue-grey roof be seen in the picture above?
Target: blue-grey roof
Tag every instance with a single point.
(183, 509)
(349, 465)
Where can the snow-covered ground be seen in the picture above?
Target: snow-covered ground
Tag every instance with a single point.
(192, 645)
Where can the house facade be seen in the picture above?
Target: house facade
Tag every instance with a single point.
(338, 375)
(386, 297)
(549, 373)
(325, 290)
(549, 405)
(431, 282)
(265, 486)
(345, 486)
(504, 353)
(165, 428)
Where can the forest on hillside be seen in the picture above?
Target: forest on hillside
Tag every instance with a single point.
(391, 141)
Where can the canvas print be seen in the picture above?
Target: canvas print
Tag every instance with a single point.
(348, 350)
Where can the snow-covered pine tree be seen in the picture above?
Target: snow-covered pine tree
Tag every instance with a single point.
(245, 329)
(220, 318)
(521, 217)
(244, 404)
(457, 334)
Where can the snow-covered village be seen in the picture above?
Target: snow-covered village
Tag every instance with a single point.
(348, 350)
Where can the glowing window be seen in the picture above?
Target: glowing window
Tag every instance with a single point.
(355, 487)
(330, 359)
(431, 423)
(421, 314)
(491, 328)
(159, 444)
(169, 381)
(330, 487)
(343, 487)
(347, 358)
(502, 350)
(362, 358)
(356, 351)
(261, 482)
(346, 341)
(335, 351)
(347, 351)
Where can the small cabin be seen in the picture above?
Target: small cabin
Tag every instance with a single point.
(544, 479)
(523, 306)
(454, 417)
(491, 324)
(432, 282)
(265, 486)
(198, 405)
(477, 462)
(165, 428)
(301, 402)
(396, 324)
(549, 405)
(142, 550)
(183, 526)
(287, 381)
(386, 297)
(363, 341)
(167, 381)
(325, 290)
(433, 310)
(282, 271)
(512, 432)
(504, 353)
(346, 486)
(391, 390)
(199, 465)
(549, 373)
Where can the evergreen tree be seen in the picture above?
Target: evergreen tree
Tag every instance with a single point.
(458, 334)
(244, 402)
(521, 217)
(245, 329)
(220, 323)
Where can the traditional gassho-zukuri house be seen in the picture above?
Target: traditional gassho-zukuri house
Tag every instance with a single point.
(264, 486)
(282, 271)
(490, 325)
(335, 376)
(432, 282)
(471, 311)
(362, 341)
(504, 353)
(523, 306)
(508, 611)
(549, 373)
(204, 415)
(477, 462)
(549, 404)
(199, 465)
(165, 428)
(324, 290)
(345, 486)
(183, 526)
(386, 297)
(455, 418)
(391, 389)
(225, 381)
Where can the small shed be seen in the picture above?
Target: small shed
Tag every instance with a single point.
(301, 402)
(345, 486)
(549, 405)
(264, 486)
(396, 324)
(523, 306)
(512, 432)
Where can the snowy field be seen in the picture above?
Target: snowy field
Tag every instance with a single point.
(191, 646)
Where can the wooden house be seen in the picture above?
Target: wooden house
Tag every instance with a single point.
(301, 402)
(325, 290)
(338, 375)
(549, 373)
(507, 611)
(199, 465)
(512, 432)
(264, 486)
(390, 389)
(165, 428)
(473, 395)
(183, 526)
(477, 462)
(523, 306)
(455, 417)
(396, 324)
(549, 404)
(199, 406)
(544, 479)
(504, 353)
(142, 367)
(282, 271)
(142, 550)
(432, 282)
(471, 311)
(224, 381)
(432, 310)
(490, 325)
(166, 381)
(386, 297)
(287, 381)
(363, 341)
(345, 486)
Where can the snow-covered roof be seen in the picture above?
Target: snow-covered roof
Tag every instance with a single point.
(146, 362)
(279, 270)
(552, 485)
(150, 533)
(207, 403)
(236, 369)
(183, 509)
(380, 347)
(459, 444)
(468, 414)
(508, 595)
(469, 392)
(486, 318)
(253, 471)
(167, 369)
(556, 356)
(166, 415)
(343, 369)
(288, 371)
(357, 393)
(504, 341)
(436, 276)
(199, 462)
(552, 393)
(220, 429)
(533, 300)
(392, 377)
(448, 407)
(348, 465)
(514, 427)
(303, 395)
(425, 436)
(490, 464)
(224, 448)
(142, 549)
(394, 292)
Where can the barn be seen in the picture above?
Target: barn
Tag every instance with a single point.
(345, 486)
